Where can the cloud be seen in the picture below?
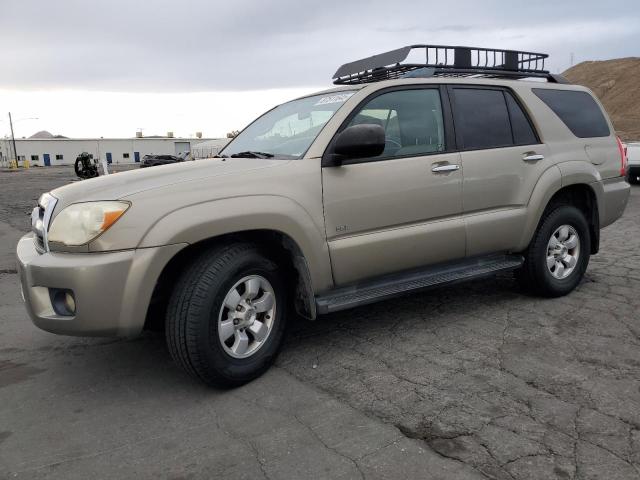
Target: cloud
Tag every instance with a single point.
(201, 45)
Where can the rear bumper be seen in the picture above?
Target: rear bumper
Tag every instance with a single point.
(112, 290)
(615, 197)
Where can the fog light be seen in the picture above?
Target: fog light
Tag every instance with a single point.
(70, 302)
(63, 301)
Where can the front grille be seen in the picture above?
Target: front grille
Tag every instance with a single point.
(40, 218)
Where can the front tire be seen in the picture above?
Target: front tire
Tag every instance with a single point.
(226, 316)
(558, 254)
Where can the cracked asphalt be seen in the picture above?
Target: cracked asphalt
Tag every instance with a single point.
(479, 380)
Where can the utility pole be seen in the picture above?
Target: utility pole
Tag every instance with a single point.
(13, 141)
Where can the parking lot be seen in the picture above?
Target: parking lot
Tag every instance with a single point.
(479, 380)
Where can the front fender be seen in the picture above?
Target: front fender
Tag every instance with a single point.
(195, 223)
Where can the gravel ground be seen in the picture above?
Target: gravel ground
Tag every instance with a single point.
(478, 380)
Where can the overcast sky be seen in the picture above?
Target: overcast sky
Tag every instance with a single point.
(107, 68)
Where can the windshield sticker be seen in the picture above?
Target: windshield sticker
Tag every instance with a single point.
(339, 98)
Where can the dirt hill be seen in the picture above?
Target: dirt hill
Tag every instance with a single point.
(617, 84)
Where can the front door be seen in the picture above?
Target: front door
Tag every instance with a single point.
(502, 159)
(47, 160)
(402, 209)
(136, 157)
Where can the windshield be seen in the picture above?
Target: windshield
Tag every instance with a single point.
(288, 130)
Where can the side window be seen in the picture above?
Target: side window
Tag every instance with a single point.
(523, 133)
(482, 118)
(578, 110)
(412, 120)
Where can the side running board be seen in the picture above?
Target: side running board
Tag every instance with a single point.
(398, 284)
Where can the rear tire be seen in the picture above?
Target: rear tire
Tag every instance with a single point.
(226, 316)
(558, 254)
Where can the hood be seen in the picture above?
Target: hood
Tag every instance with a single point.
(118, 185)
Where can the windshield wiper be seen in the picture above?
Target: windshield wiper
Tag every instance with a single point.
(251, 154)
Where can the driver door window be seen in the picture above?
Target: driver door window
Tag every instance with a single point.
(412, 120)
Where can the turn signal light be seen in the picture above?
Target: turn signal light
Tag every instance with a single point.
(623, 157)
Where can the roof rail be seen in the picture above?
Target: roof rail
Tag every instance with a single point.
(444, 60)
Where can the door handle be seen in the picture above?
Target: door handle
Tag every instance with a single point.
(532, 157)
(445, 168)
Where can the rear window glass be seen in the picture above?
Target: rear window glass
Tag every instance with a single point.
(578, 110)
(522, 131)
(482, 118)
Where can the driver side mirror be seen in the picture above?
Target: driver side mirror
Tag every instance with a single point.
(358, 141)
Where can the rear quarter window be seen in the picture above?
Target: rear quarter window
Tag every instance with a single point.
(578, 110)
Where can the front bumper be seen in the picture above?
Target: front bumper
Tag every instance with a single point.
(112, 290)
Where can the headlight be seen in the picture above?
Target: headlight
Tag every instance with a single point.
(82, 222)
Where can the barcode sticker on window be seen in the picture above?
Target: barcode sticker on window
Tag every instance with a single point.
(339, 98)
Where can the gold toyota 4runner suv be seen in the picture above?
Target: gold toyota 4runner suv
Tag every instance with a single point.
(408, 175)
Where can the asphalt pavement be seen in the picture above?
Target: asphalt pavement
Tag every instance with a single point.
(479, 380)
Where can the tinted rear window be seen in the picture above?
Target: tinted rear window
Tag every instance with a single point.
(523, 133)
(578, 110)
(482, 118)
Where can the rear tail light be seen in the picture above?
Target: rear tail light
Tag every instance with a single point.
(623, 157)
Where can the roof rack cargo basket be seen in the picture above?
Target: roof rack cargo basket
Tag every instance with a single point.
(448, 61)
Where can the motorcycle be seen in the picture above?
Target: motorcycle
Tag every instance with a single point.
(86, 166)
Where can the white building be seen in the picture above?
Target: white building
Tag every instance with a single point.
(63, 151)
(208, 148)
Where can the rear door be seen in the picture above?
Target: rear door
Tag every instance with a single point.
(502, 160)
(395, 212)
